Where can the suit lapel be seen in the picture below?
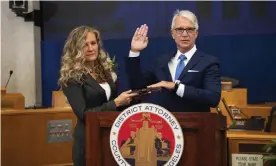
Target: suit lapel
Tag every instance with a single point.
(89, 80)
(193, 61)
(166, 70)
(165, 67)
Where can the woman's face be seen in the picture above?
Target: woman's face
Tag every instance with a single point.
(91, 47)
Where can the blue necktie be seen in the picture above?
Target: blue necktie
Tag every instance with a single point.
(180, 66)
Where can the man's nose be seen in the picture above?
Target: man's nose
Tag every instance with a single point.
(185, 33)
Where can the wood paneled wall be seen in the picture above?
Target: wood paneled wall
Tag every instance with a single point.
(24, 138)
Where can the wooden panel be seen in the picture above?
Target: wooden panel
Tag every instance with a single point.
(224, 112)
(24, 138)
(236, 96)
(252, 138)
(201, 132)
(64, 164)
(250, 110)
(14, 101)
(256, 110)
(59, 100)
(258, 135)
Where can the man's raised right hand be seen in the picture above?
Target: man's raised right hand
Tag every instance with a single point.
(140, 39)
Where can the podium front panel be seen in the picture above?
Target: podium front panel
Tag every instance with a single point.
(204, 139)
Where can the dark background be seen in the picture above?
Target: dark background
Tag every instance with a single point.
(241, 34)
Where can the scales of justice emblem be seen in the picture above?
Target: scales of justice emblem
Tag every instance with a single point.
(146, 135)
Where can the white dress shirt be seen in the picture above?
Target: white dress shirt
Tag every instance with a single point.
(107, 90)
(173, 64)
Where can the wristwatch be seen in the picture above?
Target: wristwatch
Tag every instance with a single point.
(177, 83)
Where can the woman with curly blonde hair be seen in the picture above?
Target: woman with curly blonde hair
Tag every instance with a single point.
(88, 82)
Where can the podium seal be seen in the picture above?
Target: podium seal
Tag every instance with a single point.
(146, 135)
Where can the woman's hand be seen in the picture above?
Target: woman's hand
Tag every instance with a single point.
(124, 98)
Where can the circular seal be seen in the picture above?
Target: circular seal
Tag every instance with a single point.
(146, 134)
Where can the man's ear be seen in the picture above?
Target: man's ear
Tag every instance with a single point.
(196, 34)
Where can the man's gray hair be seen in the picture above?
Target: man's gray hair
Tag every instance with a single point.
(187, 14)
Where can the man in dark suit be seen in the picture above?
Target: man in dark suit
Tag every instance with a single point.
(190, 78)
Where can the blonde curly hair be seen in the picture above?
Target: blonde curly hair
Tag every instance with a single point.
(73, 66)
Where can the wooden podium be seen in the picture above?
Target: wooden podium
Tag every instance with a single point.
(14, 101)
(59, 100)
(204, 139)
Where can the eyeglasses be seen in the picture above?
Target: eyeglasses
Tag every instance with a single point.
(180, 31)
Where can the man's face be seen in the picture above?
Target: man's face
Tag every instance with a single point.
(184, 33)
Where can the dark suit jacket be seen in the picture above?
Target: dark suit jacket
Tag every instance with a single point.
(89, 96)
(202, 88)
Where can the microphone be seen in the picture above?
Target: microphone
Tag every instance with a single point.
(9, 78)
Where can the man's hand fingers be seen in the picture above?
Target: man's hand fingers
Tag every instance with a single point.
(140, 30)
(136, 33)
(157, 85)
(154, 85)
(146, 40)
(144, 30)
